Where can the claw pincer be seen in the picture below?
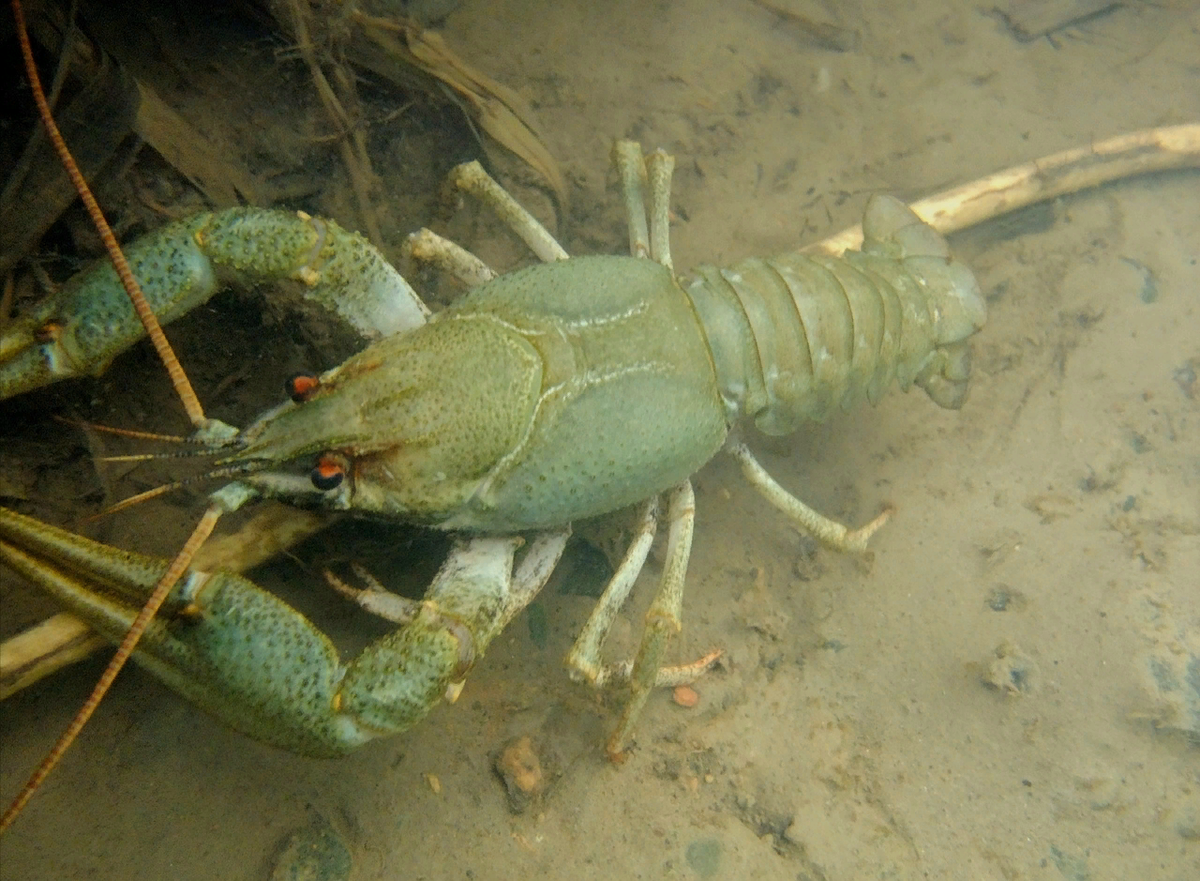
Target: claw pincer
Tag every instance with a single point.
(254, 662)
(87, 323)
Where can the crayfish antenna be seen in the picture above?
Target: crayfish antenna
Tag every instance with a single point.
(174, 454)
(124, 432)
(155, 492)
(186, 395)
(207, 447)
(138, 499)
(174, 572)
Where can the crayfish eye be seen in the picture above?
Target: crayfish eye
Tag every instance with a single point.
(301, 387)
(328, 473)
(48, 332)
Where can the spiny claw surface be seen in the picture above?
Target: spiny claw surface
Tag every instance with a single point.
(244, 655)
(79, 330)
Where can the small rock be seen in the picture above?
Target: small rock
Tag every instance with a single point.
(1072, 867)
(1171, 668)
(1185, 378)
(1187, 824)
(313, 853)
(685, 696)
(1003, 598)
(1174, 683)
(704, 856)
(520, 770)
(1012, 671)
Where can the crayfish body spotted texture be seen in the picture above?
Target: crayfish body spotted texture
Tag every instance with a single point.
(548, 394)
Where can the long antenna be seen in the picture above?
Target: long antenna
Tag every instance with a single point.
(190, 402)
(178, 566)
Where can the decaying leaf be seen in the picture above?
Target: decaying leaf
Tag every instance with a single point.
(500, 111)
(402, 52)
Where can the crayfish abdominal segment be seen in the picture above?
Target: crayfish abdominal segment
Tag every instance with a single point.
(552, 393)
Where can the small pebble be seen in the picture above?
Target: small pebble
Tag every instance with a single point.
(1003, 598)
(685, 696)
(1185, 378)
(314, 853)
(520, 769)
(704, 856)
(1011, 671)
(1187, 824)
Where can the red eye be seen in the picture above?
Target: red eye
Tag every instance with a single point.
(301, 387)
(328, 473)
(48, 332)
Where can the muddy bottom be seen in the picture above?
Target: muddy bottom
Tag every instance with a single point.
(1008, 687)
